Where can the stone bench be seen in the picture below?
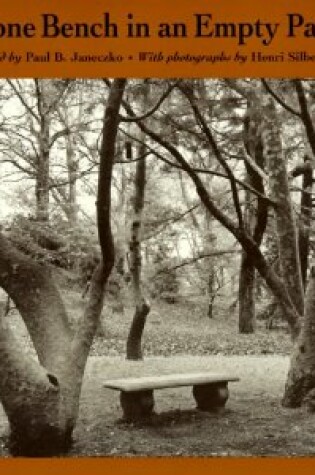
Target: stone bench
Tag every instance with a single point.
(210, 391)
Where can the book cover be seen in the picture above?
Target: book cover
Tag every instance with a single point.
(156, 238)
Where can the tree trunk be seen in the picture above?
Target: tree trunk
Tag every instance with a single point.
(42, 172)
(300, 385)
(43, 157)
(134, 345)
(35, 396)
(134, 350)
(72, 167)
(211, 292)
(247, 315)
(285, 223)
(255, 219)
(306, 170)
(41, 399)
(247, 279)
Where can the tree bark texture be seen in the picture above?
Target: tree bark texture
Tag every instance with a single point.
(285, 222)
(300, 384)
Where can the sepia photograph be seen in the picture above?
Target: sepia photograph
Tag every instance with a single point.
(157, 281)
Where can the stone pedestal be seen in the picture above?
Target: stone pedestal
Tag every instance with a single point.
(211, 397)
(137, 405)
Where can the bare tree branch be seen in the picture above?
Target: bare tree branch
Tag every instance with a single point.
(23, 101)
(254, 165)
(305, 115)
(188, 92)
(188, 262)
(154, 108)
(279, 100)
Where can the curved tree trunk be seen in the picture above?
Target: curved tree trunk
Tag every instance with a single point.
(300, 385)
(134, 340)
(31, 397)
(34, 395)
(134, 350)
(41, 399)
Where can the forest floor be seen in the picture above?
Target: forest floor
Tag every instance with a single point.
(180, 338)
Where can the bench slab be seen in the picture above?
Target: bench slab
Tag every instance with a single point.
(136, 394)
(167, 381)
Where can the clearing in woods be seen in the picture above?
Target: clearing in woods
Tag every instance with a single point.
(180, 338)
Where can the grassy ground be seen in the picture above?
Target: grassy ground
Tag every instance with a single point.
(184, 329)
(254, 423)
(181, 338)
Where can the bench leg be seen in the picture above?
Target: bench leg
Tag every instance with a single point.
(137, 405)
(211, 397)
